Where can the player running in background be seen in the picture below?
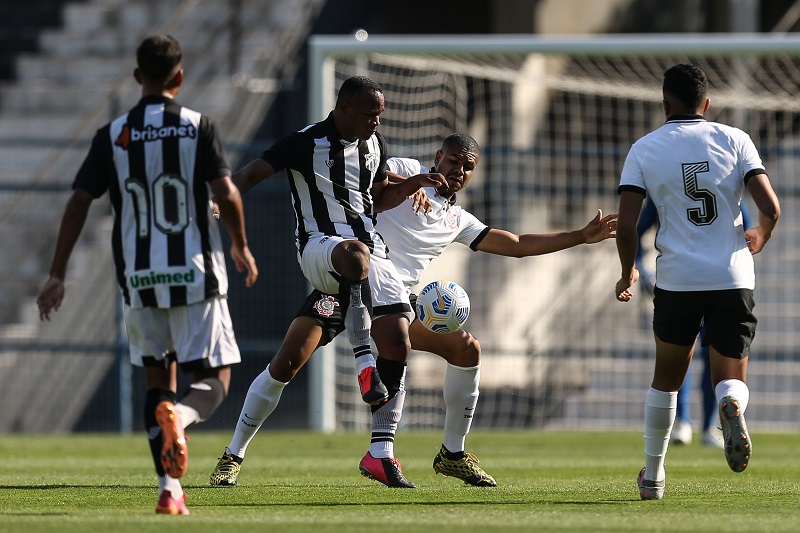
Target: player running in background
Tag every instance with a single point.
(695, 172)
(682, 429)
(416, 237)
(159, 162)
(337, 174)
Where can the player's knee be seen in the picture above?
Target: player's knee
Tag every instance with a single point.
(351, 260)
(466, 353)
(282, 367)
(473, 351)
(205, 396)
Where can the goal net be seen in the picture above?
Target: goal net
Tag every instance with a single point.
(555, 119)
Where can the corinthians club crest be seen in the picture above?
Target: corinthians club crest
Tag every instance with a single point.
(326, 305)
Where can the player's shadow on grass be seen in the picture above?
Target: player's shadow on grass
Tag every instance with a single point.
(35, 514)
(415, 503)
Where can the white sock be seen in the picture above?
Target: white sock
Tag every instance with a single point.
(188, 415)
(262, 398)
(364, 361)
(384, 426)
(171, 484)
(460, 398)
(659, 416)
(384, 423)
(733, 387)
(357, 321)
(358, 325)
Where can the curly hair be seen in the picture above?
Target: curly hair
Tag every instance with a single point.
(461, 141)
(686, 83)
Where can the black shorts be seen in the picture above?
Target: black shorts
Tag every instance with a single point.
(329, 312)
(727, 315)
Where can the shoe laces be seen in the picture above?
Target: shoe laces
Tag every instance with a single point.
(469, 457)
(227, 464)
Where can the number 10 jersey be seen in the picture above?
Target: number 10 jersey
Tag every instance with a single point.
(156, 161)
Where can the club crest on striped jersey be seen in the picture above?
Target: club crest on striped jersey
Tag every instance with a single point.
(329, 163)
(371, 162)
(326, 305)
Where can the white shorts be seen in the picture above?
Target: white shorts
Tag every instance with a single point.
(316, 263)
(389, 295)
(195, 332)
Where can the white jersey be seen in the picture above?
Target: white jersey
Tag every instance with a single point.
(416, 240)
(694, 172)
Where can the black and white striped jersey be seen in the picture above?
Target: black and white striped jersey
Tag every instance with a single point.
(155, 161)
(330, 179)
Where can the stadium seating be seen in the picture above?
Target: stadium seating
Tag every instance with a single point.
(68, 81)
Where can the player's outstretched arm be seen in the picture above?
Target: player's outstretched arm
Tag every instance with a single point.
(52, 294)
(501, 242)
(600, 228)
(769, 211)
(229, 202)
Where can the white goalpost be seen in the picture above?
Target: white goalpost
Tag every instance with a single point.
(555, 117)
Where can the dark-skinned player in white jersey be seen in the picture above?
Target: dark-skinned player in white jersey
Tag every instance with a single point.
(695, 172)
(416, 235)
(160, 163)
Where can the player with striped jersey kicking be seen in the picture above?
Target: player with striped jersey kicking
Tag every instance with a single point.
(160, 162)
(417, 233)
(336, 170)
(695, 172)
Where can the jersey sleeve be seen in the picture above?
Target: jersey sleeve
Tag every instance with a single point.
(97, 169)
(751, 163)
(210, 153)
(632, 178)
(281, 153)
(406, 167)
(472, 230)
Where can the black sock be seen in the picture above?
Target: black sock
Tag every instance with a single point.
(153, 397)
(453, 456)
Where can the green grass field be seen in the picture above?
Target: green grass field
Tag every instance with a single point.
(301, 482)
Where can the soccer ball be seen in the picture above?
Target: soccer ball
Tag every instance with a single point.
(443, 306)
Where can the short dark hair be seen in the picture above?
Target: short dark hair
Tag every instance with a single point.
(686, 83)
(462, 141)
(352, 86)
(157, 57)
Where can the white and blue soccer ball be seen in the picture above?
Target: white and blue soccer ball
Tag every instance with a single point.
(443, 306)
